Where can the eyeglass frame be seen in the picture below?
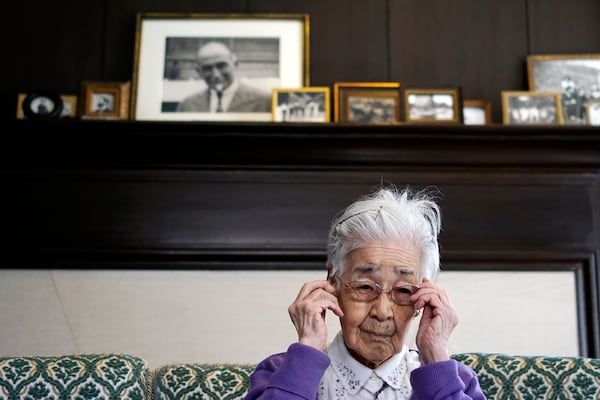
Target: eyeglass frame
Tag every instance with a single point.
(379, 290)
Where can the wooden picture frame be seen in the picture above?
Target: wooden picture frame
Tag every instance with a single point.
(366, 102)
(531, 108)
(432, 105)
(262, 51)
(477, 112)
(104, 100)
(69, 106)
(307, 104)
(592, 112)
(575, 76)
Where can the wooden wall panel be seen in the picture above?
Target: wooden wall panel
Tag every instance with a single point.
(476, 44)
(568, 27)
(348, 40)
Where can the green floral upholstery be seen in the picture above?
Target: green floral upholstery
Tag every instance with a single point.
(202, 381)
(504, 377)
(75, 377)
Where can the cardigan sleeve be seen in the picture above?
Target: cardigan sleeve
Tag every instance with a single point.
(292, 375)
(445, 380)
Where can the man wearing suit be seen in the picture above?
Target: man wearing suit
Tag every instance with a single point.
(224, 93)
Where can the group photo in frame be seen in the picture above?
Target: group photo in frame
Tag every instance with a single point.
(308, 104)
(575, 76)
(366, 102)
(477, 112)
(432, 105)
(216, 67)
(104, 100)
(531, 108)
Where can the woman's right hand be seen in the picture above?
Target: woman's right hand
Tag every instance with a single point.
(307, 312)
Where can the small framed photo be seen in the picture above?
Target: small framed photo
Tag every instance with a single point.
(477, 112)
(216, 67)
(592, 112)
(104, 100)
(308, 104)
(366, 102)
(575, 76)
(531, 108)
(435, 105)
(68, 109)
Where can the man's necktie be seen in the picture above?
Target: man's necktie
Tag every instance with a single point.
(219, 97)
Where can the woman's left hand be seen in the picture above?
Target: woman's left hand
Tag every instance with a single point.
(437, 322)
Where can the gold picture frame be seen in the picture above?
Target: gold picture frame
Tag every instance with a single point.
(477, 112)
(307, 104)
(264, 51)
(104, 100)
(432, 105)
(69, 106)
(520, 107)
(366, 102)
(575, 76)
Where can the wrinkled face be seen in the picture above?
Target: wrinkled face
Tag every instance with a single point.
(216, 64)
(376, 330)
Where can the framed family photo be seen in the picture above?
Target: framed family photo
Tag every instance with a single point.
(477, 112)
(366, 102)
(531, 108)
(104, 100)
(216, 67)
(575, 76)
(435, 105)
(308, 104)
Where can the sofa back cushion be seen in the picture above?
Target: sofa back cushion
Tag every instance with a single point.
(505, 377)
(197, 381)
(77, 377)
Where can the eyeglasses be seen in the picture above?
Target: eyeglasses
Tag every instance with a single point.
(221, 66)
(366, 291)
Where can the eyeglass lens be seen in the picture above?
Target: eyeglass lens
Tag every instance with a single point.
(368, 291)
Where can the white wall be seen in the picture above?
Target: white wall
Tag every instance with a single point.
(241, 316)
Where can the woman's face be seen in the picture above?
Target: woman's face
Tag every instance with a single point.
(376, 330)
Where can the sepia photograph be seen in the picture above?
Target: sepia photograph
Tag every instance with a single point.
(216, 66)
(310, 104)
(531, 108)
(575, 76)
(366, 102)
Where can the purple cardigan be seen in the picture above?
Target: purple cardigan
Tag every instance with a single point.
(296, 375)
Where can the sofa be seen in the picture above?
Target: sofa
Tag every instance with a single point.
(113, 376)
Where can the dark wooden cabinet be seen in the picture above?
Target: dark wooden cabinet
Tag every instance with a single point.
(123, 194)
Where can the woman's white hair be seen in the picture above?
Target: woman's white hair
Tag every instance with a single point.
(387, 214)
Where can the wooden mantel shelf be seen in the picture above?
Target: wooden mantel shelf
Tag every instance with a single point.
(139, 144)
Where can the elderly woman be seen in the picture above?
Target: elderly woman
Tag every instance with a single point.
(382, 258)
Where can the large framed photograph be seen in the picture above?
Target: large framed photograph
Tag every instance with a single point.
(366, 102)
(575, 76)
(104, 100)
(308, 104)
(216, 67)
(477, 112)
(531, 108)
(432, 105)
